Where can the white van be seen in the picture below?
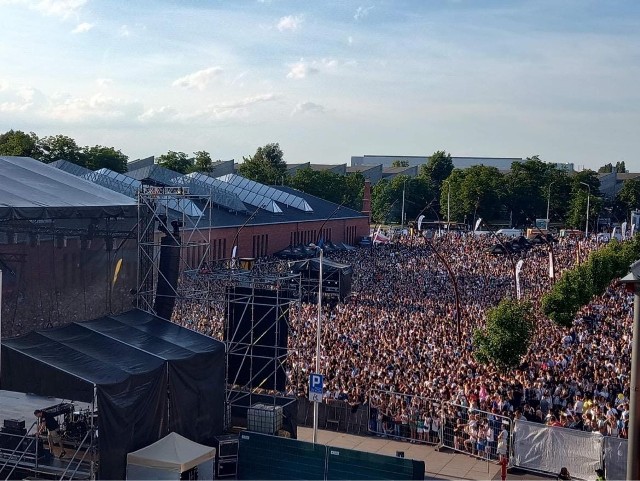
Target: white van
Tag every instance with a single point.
(510, 232)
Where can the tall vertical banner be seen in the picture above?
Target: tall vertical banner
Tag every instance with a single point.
(633, 228)
(518, 269)
(613, 233)
(624, 230)
(552, 273)
(420, 219)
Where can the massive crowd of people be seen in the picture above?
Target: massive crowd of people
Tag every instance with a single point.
(398, 333)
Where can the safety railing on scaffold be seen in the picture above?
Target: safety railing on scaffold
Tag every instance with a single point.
(408, 417)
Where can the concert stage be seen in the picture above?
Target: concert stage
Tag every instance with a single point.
(26, 456)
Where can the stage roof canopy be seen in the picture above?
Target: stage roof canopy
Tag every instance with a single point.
(34, 191)
(129, 362)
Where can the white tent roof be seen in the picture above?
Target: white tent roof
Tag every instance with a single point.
(172, 452)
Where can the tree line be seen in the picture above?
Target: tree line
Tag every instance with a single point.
(515, 197)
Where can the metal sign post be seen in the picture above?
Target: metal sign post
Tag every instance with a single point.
(316, 392)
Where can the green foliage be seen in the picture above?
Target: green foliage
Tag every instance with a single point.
(579, 285)
(577, 212)
(56, 147)
(608, 168)
(202, 162)
(176, 161)
(339, 189)
(386, 198)
(527, 188)
(266, 166)
(507, 334)
(16, 142)
(100, 157)
(629, 195)
(438, 168)
(400, 163)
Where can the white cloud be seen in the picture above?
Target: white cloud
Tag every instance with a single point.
(58, 8)
(19, 100)
(163, 114)
(199, 79)
(290, 22)
(308, 108)
(82, 27)
(239, 108)
(362, 12)
(97, 107)
(104, 82)
(124, 31)
(302, 69)
(350, 40)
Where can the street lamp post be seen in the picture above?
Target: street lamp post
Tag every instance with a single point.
(549, 201)
(448, 202)
(632, 282)
(404, 186)
(586, 227)
(318, 344)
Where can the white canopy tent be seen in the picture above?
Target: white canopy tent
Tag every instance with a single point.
(169, 457)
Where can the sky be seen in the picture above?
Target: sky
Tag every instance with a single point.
(328, 79)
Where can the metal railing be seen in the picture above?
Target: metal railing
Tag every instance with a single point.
(408, 417)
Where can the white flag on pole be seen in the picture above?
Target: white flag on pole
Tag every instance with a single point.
(518, 269)
(420, 219)
(551, 266)
(623, 228)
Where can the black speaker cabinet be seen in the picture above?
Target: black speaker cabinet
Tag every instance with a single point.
(227, 468)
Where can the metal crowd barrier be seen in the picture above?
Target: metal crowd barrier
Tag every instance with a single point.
(475, 432)
(407, 417)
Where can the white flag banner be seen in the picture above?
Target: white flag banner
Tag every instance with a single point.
(552, 273)
(518, 269)
(478, 222)
(420, 219)
(613, 233)
(624, 230)
(633, 228)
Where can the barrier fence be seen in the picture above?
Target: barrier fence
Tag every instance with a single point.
(479, 433)
(407, 417)
(527, 445)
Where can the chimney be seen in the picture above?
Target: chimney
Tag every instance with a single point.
(366, 200)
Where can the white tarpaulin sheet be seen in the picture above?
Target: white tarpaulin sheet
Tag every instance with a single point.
(615, 458)
(544, 448)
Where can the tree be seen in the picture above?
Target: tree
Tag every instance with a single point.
(620, 167)
(340, 189)
(99, 157)
(580, 196)
(481, 192)
(383, 200)
(16, 142)
(176, 161)
(606, 169)
(266, 166)
(527, 186)
(202, 162)
(629, 195)
(58, 147)
(579, 285)
(507, 334)
(438, 167)
(400, 163)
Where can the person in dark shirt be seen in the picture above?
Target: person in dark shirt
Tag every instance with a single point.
(48, 423)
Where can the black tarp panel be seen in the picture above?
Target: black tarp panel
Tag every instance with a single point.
(39, 191)
(61, 363)
(133, 360)
(195, 364)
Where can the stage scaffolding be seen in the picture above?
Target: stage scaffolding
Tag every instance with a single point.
(266, 292)
(172, 212)
(263, 294)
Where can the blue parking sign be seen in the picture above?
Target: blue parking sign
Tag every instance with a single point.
(316, 383)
